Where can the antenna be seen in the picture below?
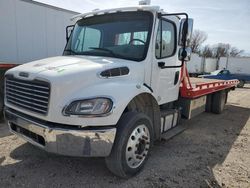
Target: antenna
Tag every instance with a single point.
(144, 2)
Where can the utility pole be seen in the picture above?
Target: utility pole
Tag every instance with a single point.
(227, 56)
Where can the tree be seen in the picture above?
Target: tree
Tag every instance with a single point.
(221, 50)
(198, 38)
(224, 50)
(235, 52)
(207, 51)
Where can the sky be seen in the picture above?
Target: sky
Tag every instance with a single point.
(225, 21)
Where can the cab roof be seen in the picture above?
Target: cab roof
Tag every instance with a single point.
(114, 10)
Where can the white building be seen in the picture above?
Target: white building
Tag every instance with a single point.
(31, 30)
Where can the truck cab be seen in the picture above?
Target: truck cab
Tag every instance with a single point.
(113, 92)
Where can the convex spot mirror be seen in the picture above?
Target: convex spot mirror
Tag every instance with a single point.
(186, 29)
(69, 30)
(185, 54)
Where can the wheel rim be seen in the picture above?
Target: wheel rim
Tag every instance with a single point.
(137, 146)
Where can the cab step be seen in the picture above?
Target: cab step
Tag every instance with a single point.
(169, 119)
(173, 132)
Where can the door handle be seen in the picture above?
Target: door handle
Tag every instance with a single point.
(161, 64)
(176, 77)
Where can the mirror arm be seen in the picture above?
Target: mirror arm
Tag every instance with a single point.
(172, 14)
(67, 33)
(161, 39)
(184, 34)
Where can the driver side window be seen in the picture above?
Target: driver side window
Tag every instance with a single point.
(165, 40)
(225, 72)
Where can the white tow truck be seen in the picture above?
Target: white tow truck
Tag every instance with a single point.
(120, 85)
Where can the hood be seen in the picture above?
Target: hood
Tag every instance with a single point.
(76, 72)
(67, 65)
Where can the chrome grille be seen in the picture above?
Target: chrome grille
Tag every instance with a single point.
(30, 95)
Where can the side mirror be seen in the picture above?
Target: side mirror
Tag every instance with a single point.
(185, 54)
(186, 29)
(69, 30)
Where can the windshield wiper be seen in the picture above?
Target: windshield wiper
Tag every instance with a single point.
(104, 49)
(71, 51)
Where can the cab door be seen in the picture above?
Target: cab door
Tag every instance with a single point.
(165, 81)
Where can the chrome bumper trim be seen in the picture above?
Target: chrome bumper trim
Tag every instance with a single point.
(65, 141)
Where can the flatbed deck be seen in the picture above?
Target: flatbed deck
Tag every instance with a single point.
(197, 87)
(196, 81)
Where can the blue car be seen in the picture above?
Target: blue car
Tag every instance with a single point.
(226, 75)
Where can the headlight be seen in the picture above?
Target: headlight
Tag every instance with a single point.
(97, 106)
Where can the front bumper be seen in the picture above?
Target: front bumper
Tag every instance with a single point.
(61, 139)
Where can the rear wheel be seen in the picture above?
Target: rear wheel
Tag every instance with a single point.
(241, 84)
(219, 101)
(133, 142)
(1, 93)
(1, 106)
(209, 103)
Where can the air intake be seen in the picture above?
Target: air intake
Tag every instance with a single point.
(120, 71)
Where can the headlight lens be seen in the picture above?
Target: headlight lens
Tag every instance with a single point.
(97, 106)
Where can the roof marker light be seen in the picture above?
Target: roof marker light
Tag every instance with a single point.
(144, 2)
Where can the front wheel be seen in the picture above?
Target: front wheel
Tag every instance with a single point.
(132, 145)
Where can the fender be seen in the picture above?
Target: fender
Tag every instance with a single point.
(120, 93)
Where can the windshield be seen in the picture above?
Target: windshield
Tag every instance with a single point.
(122, 35)
(215, 72)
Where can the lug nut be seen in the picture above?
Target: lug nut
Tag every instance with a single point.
(139, 157)
(145, 137)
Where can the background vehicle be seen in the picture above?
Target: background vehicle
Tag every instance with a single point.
(200, 65)
(121, 84)
(226, 75)
(30, 31)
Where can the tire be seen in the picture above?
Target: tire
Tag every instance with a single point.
(133, 142)
(219, 101)
(241, 84)
(209, 102)
(2, 72)
(1, 105)
(226, 97)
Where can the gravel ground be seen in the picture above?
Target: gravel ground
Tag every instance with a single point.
(213, 152)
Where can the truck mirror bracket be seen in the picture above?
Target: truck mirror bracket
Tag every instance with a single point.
(184, 34)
